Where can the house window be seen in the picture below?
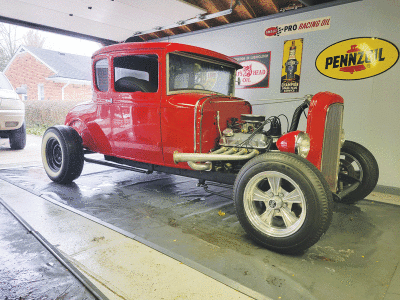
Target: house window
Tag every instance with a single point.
(41, 91)
(136, 73)
(101, 68)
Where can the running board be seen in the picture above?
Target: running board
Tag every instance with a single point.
(115, 165)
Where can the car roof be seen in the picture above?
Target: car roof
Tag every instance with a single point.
(169, 47)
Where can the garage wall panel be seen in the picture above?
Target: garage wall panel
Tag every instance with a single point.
(371, 105)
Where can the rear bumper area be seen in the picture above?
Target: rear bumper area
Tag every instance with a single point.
(11, 119)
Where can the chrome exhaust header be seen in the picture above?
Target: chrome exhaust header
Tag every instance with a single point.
(203, 161)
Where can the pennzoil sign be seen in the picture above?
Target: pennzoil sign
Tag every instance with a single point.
(357, 58)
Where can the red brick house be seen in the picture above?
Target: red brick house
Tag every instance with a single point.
(50, 75)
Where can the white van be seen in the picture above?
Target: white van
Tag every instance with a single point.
(12, 115)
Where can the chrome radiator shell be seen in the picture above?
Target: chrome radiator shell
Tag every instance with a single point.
(331, 145)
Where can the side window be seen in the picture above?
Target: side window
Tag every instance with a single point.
(136, 73)
(101, 68)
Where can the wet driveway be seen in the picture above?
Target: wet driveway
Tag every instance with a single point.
(355, 259)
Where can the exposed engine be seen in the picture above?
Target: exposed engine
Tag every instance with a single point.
(249, 132)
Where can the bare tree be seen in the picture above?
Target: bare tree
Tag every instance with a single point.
(8, 43)
(33, 38)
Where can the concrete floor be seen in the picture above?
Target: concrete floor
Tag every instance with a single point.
(110, 222)
(119, 266)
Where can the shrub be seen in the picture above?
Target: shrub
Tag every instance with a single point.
(45, 113)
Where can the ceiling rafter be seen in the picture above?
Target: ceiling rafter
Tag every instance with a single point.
(242, 10)
(246, 8)
(212, 6)
(267, 7)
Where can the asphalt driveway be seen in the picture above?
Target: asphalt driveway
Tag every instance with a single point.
(29, 155)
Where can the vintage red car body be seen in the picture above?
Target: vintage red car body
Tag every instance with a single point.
(150, 127)
(171, 108)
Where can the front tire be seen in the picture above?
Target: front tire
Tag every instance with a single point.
(283, 202)
(18, 138)
(62, 154)
(357, 164)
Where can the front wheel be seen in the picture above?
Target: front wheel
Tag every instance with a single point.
(283, 202)
(357, 165)
(62, 154)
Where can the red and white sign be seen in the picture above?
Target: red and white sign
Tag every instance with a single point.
(298, 27)
(252, 73)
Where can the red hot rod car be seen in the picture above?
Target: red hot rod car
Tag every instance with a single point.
(171, 108)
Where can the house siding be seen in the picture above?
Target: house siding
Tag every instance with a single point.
(75, 92)
(25, 69)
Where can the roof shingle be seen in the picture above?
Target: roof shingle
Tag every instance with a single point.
(64, 64)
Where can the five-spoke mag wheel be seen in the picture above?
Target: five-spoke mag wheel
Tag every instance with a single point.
(275, 203)
(282, 201)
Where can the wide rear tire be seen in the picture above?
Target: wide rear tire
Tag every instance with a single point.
(62, 154)
(283, 202)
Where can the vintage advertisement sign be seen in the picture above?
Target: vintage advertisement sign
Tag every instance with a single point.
(291, 66)
(298, 27)
(255, 71)
(357, 58)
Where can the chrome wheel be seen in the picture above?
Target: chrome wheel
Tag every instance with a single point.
(274, 204)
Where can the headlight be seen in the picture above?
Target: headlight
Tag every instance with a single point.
(302, 144)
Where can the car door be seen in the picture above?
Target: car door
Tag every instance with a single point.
(99, 123)
(136, 132)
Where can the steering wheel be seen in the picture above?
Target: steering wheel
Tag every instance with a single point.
(200, 85)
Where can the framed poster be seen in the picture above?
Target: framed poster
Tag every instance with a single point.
(291, 66)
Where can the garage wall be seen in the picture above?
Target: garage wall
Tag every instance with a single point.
(371, 105)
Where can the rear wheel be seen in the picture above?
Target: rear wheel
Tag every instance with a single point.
(357, 164)
(62, 154)
(18, 138)
(283, 202)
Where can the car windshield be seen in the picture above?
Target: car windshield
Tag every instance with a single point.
(195, 74)
(4, 83)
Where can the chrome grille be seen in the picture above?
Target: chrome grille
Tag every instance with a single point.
(331, 147)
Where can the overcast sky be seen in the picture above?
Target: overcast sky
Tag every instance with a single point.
(63, 43)
(68, 44)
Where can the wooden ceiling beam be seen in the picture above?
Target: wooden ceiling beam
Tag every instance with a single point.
(263, 7)
(212, 6)
(244, 8)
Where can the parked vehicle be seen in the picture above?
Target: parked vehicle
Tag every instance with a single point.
(171, 108)
(12, 115)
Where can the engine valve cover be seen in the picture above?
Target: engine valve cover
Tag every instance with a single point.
(258, 141)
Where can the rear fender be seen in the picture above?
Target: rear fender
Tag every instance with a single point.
(88, 132)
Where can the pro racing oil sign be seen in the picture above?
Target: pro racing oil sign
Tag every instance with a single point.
(357, 58)
(298, 27)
